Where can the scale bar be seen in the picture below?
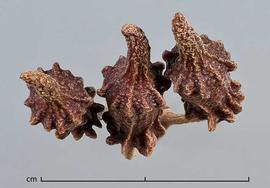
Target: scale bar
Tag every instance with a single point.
(145, 181)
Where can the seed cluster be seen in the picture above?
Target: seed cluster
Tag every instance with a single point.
(136, 114)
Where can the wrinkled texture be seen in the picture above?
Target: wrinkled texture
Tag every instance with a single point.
(59, 101)
(133, 90)
(199, 69)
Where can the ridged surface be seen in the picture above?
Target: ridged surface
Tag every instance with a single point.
(133, 90)
(59, 101)
(199, 69)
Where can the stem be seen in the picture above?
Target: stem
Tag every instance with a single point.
(168, 118)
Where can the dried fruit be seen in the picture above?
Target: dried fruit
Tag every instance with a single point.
(59, 101)
(137, 115)
(199, 69)
(133, 90)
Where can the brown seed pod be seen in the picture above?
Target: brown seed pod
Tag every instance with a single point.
(59, 101)
(199, 69)
(133, 90)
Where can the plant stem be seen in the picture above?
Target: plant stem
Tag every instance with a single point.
(168, 118)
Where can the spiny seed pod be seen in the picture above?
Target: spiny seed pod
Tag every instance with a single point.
(199, 69)
(59, 101)
(133, 90)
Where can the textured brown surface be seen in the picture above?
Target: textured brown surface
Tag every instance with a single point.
(137, 115)
(199, 69)
(59, 101)
(133, 90)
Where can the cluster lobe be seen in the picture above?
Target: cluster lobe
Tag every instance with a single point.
(133, 99)
(199, 69)
(59, 101)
